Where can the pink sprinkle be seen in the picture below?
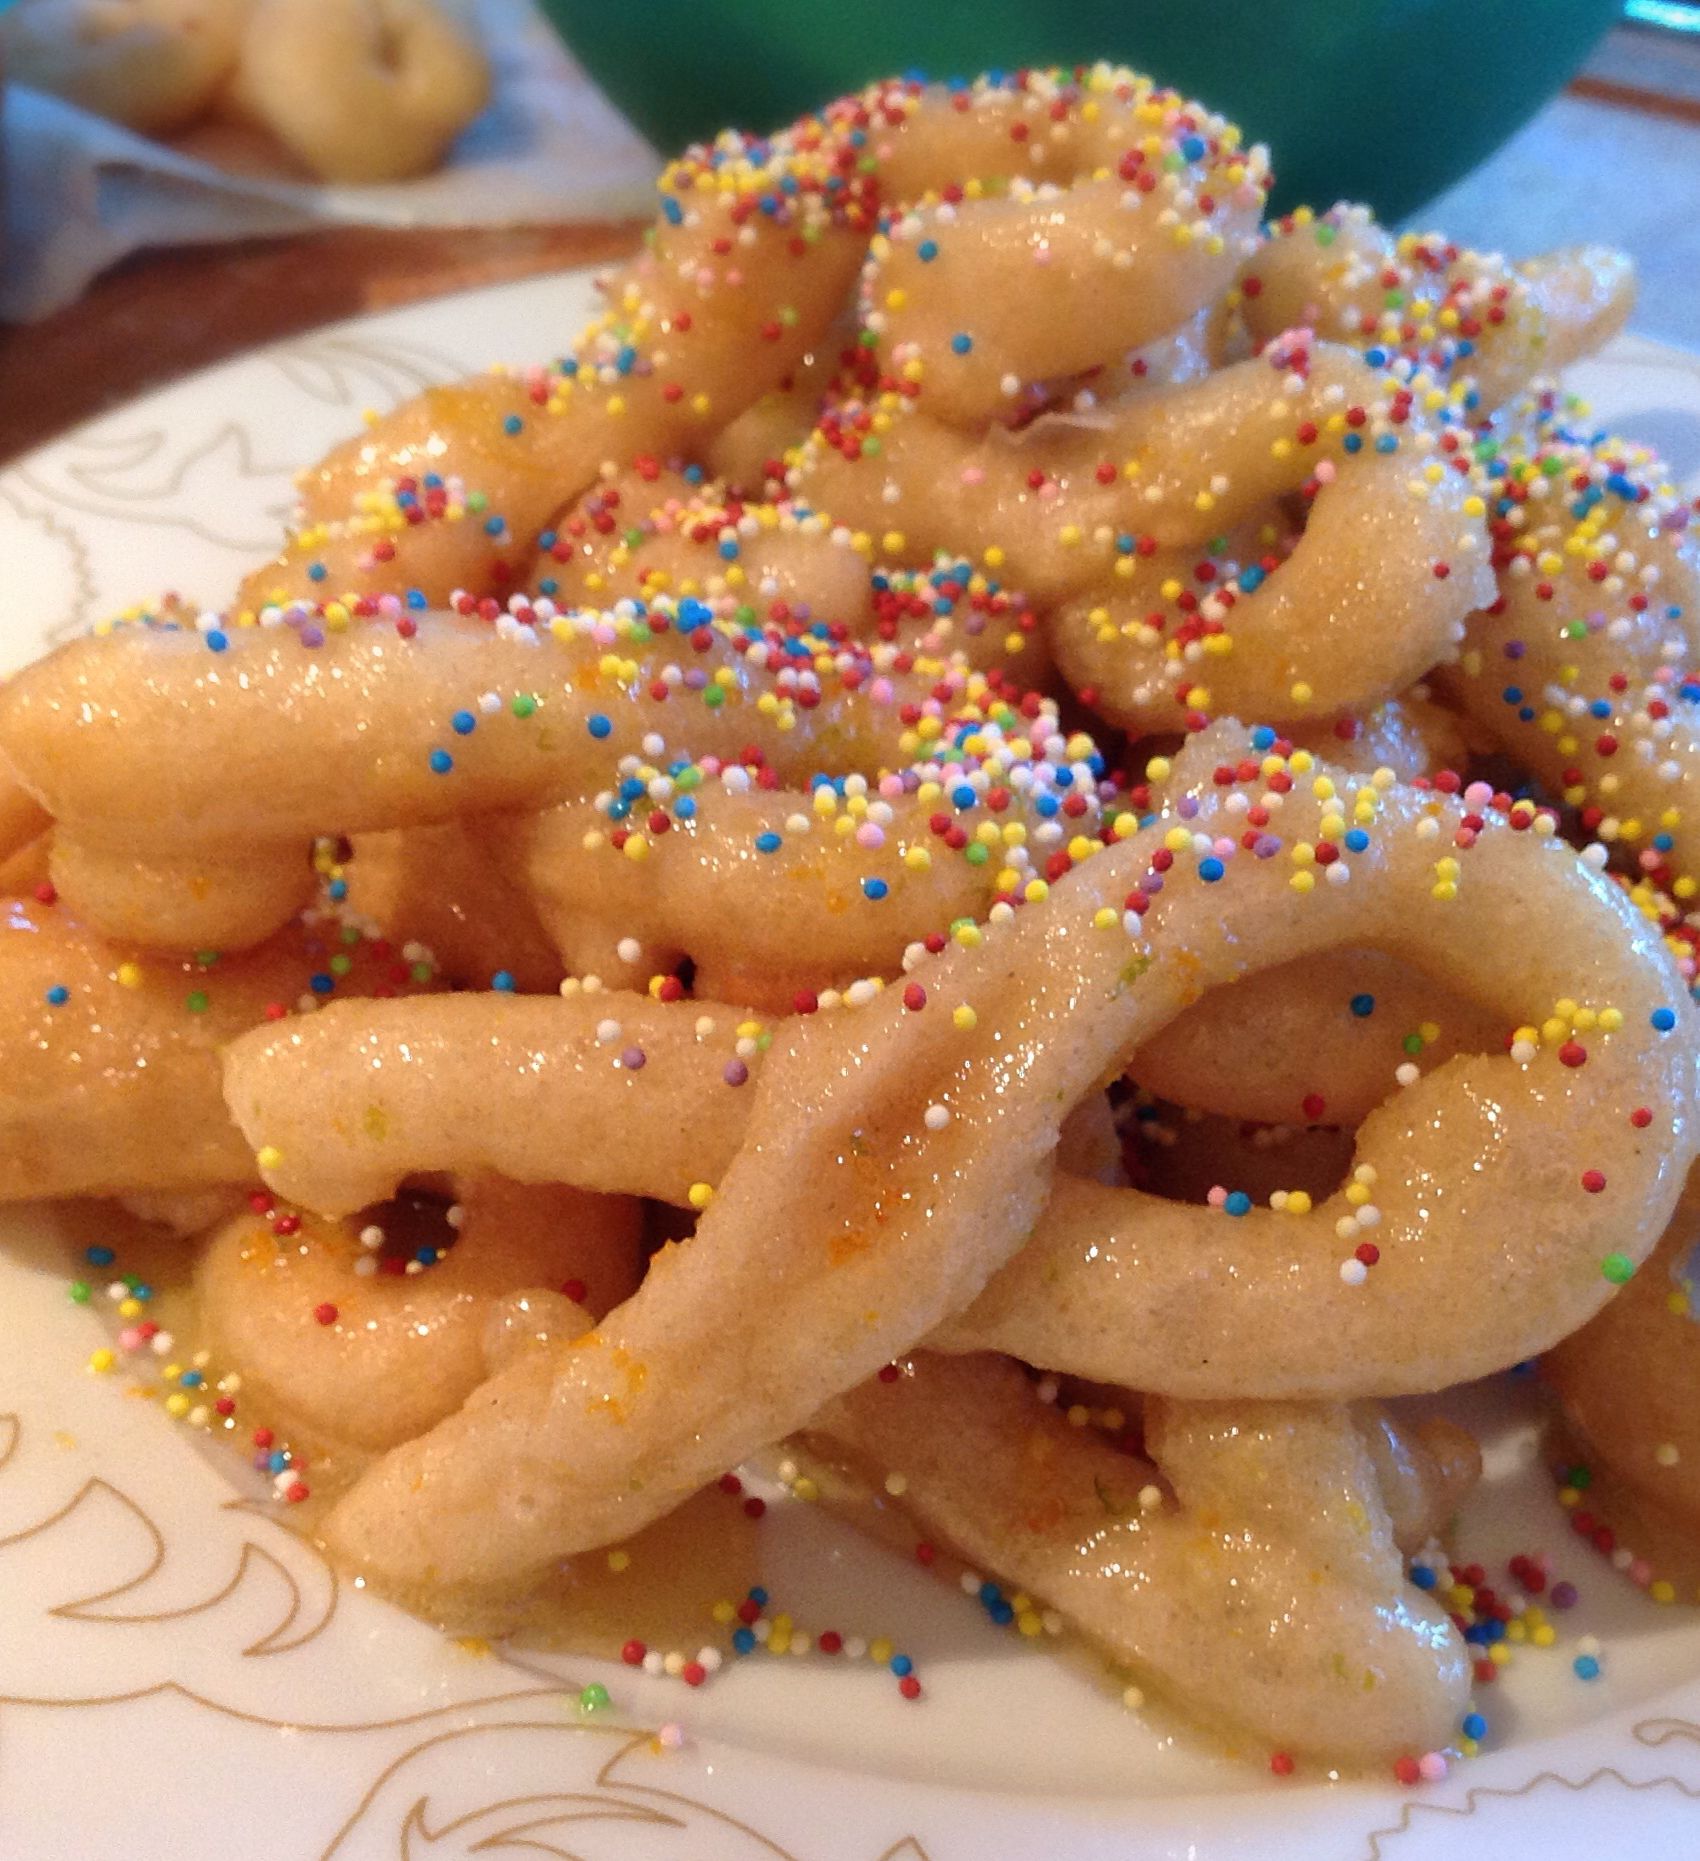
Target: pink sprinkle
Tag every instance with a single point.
(1217, 1196)
(1432, 1765)
(130, 1338)
(869, 835)
(973, 474)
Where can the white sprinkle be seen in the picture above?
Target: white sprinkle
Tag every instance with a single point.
(937, 1117)
(372, 1236)
(1407, 1074)
(607, 1032)
(1353, 1272)
(628, 950)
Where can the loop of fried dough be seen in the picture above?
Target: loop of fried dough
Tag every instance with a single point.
(1264, 1587)
(365, 1359)
(841, 1205)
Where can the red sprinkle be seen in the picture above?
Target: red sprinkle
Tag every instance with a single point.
(326, 1313)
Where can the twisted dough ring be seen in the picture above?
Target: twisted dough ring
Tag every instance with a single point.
(1628, 1378)
(1273, 1525)
(360, 90)
(153, 65)
(295, 735)
(1476, 320)
(840, 1211)
(753, 257)
(1168, 511)
(1584, 668)
(361, 1359)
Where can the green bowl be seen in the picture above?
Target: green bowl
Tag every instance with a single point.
(1385, 101)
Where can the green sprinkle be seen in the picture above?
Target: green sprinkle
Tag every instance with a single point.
(420, 972)
(594, 1698)
(1618, 1268)
(1412, 1043)
(714, 696)
(340, 965)
(1581, 1478)
(477, 500)
(1325, 235)
(78, 1291)
(197, 1002)
(524, 704)
(977, 855)
(206, 958)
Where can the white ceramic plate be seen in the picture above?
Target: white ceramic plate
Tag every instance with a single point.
(181, 1677)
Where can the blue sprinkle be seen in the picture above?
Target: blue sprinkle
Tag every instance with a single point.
(767, 843)
(1210, 870)
(626, 360)
(1251, 579)
(441, 762)
(1474, 1726)
(1363, 1006)
(743, 1641)
(1601, 707)
(1353, 442)
(1423, 1577)
(58, 995)
(927, 251)
(1194, 148)
(100, 1256)
(1388, 442)
(503, 980)
(729, 550)
(963, 796)
(1664, 1019)
(1376, 358)
(276, 1461)
(759, 1597)
(494, 526)
(961, 342)
(1262, 738)
(416, 599)
(686, 808)
(316, 571)
(513, 424)
(1512, 694)
(875, 889)
(1238, 1202)
(321, 984)
(427, 1256)
(192, 1379)
(1002, 1614)
(600, 726)
(1048, 806)
(217, 641)
(338, 890)
(1662, 843)
(1356, 840)
(901, 1665)
(671, 211)
(990, 1593)
(463, 723)
(1587, 1668)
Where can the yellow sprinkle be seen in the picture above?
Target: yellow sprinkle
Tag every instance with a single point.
(129, 975)
(700, 1194)
(268, 1156)
(101, 1360)
(619, 1560)
(964, 1018)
